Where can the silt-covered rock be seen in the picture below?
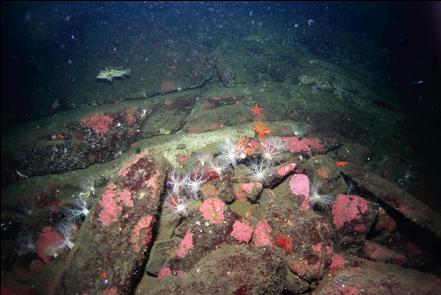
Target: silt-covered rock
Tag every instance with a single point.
(94, 139)
(377, 278)
(352, 217)
(230, 269)
(111, 246)
(302, 234)
(406, 204)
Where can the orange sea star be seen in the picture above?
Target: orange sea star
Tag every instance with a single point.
(261, 130)
(257, 111)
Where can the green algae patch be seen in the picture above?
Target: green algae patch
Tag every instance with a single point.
(240, 207)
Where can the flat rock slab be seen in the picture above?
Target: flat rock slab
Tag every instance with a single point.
(302, 234)
(378, 278)
(210, 226)
(230, 269)
(218, 112)
(93, 139)
(352, 217)
(168, 115)
(406, 204)
(113, 241)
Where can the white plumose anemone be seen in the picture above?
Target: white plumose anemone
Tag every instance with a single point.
(79, 211)
(217, 166)
(229, 153)
(88, 187)
(65, 229)
(259, 171)
(272, 148)
(203, 158)
(193, 182)
(177, 205)
(176, 182)
(317, 200)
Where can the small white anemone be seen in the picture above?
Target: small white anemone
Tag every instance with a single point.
(259, 171)
(177, 205)
(229, 153)
(193, 182)
(78, 211)
(88, 187)
(273, 147)
(65, 229)
(203, 158)
(176, 182)
(217, 166)
(317, 200)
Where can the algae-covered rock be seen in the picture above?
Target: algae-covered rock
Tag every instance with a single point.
(406, 204)
(302, 234)
(378, 278)
(352, 216)
(209, 227)
(159, 254)
(111, 246)
(93, 139)
(230, 269)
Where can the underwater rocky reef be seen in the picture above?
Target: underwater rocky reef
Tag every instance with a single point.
(245, 163)
(239, 210)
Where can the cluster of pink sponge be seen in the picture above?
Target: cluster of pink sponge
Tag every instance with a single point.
(111, 203)
(347, 208)
(99, 123)
(299, 186)
(110, 208)
(142, 233)
(212, 210)
(242, 230)
(185, 245)
(298, 145)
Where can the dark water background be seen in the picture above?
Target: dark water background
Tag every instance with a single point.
(398, 40)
